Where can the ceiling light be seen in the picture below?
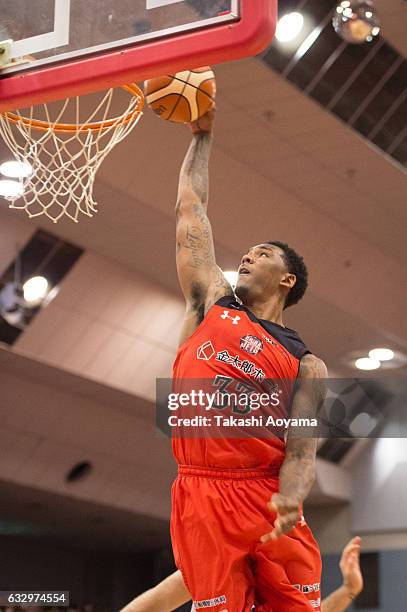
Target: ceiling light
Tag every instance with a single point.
(16, 169)
(381, 357)
(356, 21)
(10, 189)
(289, 27)
(9, 297)
(381, 354)
(35, 289)
(10, 304)
(367, 363)
(231, 276)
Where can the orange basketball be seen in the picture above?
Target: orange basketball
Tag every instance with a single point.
(182, 97)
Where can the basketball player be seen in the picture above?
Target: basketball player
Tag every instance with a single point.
(172, 593)
(237, 529)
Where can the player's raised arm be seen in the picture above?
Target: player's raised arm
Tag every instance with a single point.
(343, 597)
(201, 280)
(297, 473)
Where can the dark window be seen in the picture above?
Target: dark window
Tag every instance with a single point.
(370, 596)
(334, 449)
(46, 255)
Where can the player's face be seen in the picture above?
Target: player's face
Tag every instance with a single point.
(260, 273)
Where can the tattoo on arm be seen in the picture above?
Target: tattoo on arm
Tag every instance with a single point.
(298, 471)
(193, 197)
(202, 281)
(220, 282)
(198, 241)
(194, 176)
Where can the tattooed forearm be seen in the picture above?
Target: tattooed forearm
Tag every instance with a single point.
(298, 471)
(200, 213)
(194, 176)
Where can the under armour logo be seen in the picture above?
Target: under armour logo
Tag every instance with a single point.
(226, 315)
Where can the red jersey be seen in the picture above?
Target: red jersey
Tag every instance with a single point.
(231, 343)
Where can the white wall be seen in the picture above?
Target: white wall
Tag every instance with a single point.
(49, 422)
(380, 487)
(108, 324)
(330, 525)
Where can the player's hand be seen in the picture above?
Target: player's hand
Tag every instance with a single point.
(350, 567)
(287, 510)
(204, 123)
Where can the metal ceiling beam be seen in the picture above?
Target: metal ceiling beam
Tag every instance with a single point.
(397, 141)
(390, 111)
(352, 78)
(373, 93)
(325, 67)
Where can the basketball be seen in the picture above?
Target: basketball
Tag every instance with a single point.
(182, 97)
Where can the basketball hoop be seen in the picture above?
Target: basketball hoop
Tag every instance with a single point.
(65, 156)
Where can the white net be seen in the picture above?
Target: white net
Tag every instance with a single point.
(65, 157)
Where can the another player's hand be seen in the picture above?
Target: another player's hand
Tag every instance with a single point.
(204, 123)
(350, 567)
(287, 510)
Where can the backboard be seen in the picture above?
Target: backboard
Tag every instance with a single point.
(58, 48)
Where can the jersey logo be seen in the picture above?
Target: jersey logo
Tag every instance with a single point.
(251, 344)
(205, 351)
(235, 320)
(307, 588)
(210, 603)
(269, 340)
(244, 365)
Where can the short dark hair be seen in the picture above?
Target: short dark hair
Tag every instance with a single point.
(295, 264)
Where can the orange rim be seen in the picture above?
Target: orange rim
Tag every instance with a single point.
(95, 126)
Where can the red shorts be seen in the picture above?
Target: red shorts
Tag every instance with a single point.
(217, 519)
